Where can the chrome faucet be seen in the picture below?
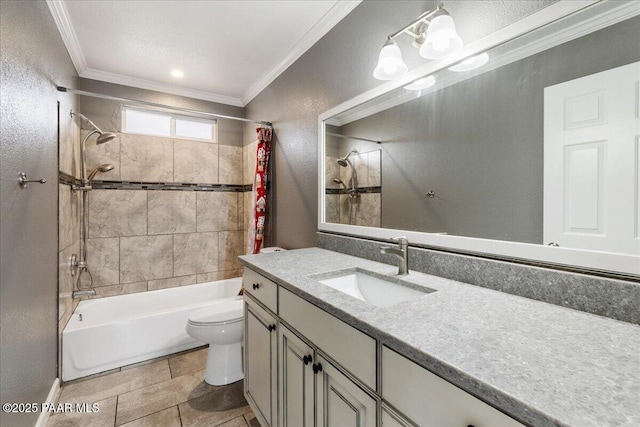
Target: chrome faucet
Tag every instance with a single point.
(402, 252)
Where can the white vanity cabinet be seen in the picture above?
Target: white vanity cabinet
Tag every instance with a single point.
(306, 368)
(313, 392)
(260, 362)
(336, 400)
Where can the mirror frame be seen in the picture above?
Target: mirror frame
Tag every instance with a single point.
(600, 14)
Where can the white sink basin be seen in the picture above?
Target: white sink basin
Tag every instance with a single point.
(374, 290)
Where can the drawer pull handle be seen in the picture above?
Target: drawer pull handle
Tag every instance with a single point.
(317, 367)
(307, 359)
(256, 286)
(271, 328)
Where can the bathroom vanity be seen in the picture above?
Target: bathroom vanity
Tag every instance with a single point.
(455, 355)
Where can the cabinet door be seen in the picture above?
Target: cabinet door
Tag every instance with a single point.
(260, 362)
(339, 401)
(296, 381)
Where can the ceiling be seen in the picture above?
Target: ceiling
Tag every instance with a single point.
(229, 51)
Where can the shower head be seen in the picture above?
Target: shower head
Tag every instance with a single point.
(100, 169)
(104, 137)
(344, 161)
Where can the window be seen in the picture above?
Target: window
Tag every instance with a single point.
(157, 123)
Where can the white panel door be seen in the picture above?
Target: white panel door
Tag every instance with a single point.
(591, 160)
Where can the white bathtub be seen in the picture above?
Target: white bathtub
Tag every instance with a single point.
(125, 329)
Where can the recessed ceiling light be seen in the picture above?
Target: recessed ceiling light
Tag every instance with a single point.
(177, 73)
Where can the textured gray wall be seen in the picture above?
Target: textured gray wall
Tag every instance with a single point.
(106, 114)
(33, 60)
(335, 69)
(479, 144)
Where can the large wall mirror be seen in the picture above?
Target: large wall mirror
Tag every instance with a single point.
(535, 155)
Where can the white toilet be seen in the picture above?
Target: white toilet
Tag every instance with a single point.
(220, 326)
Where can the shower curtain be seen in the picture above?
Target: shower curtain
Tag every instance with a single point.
(257, 215)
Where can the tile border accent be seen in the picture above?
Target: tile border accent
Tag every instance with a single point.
(66, 179)
(361, 190)
(613, 298)
(181, 186)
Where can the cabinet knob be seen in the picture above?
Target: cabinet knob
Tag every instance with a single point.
(317, 367)
(256, 286)
(307, 359)
(271, 328)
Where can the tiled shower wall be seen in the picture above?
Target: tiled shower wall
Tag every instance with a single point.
(148, 239)
(363, 210)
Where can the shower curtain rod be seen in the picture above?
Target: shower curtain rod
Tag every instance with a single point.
(337, 135)
(153, 104)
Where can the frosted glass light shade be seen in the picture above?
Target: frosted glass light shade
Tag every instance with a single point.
(423, 83)
(390, 63)
(441, 39)
(471, 63)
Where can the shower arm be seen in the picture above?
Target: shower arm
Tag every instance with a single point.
(83, 117)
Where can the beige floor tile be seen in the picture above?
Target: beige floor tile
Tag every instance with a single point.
(105, 417)
(169, 417)
(222, 405)
(100, 388)
(251, 420)
(188, 362)
(236, 422)
(156, 397)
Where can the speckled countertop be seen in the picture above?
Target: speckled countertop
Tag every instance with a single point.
(542, 364)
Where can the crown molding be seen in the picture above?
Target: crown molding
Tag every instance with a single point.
(121, 79)
(334, 15)
(61, 18)
(65, 27)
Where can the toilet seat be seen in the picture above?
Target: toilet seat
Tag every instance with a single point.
(218, 314)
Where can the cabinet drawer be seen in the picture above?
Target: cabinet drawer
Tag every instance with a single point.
(352, 349)
(261, 288)
(429, 400)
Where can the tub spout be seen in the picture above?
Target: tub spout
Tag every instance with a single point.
(84, 293)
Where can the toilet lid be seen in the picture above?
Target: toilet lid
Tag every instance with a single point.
(221, 313)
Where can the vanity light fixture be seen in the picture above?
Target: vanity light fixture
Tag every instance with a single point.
(441, 38)
(434, 34)
(390, 63)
